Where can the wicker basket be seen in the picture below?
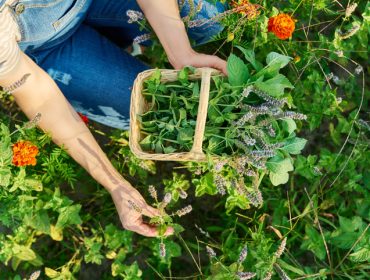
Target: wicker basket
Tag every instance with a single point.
(139, 106)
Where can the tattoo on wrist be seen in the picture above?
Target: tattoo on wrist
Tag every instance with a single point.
(17, 84)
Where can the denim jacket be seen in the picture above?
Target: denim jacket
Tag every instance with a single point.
(45, 23)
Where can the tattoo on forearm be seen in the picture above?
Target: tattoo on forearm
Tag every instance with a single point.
(111, 177)
(17, 84)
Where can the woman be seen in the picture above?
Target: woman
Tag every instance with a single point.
(52, 52)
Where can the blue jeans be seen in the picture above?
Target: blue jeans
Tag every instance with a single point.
(94, 72)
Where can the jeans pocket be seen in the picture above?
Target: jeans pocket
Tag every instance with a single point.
(68, 16)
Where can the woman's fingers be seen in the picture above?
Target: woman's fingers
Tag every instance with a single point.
(204, 60)
(151, 211)
(145, 229)
(216, 62)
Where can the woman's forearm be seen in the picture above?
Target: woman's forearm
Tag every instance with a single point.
(40, 94)
(164, 17)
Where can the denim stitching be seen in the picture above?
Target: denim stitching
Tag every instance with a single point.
(40, 5)
(21, 26)
(59, 23)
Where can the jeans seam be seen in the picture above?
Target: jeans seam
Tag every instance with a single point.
(41, 5)
(57, 26)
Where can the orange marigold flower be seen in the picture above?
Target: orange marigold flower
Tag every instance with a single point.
(246, 9)
(282, 26)
(24, 153)
(84, 118)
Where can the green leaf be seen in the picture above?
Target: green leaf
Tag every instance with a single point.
(234, 201)
(69, 216)
(51, 273)
(314, 242)
(205, 185)
(277, 164)
(277, 61)
(185, 135)
(289, 125)
(23, 253)
(362, 255)
(33, 184)
(214, 144)
(294, 145)
(19, 181)
(169, 150)
(178, 228)
(274, 86)
(238, 72)
(279, 168)
(5, 176)
(350, 225)
(39, 221)
(116, 238)
(146, 143)
(251, 58)
(279, 178)
(290, 267)
(344, 240)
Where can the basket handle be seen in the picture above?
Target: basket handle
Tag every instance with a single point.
(202, 111)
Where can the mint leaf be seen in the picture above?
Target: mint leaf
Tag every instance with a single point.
(277, 164)
(275, 86)
(294, 145)
(279, 168)
(237, 70)
(205, 185)
(251, 58)
(289, 125)
(69, 216)
(279, 178)
(5, 176)
(276, 60)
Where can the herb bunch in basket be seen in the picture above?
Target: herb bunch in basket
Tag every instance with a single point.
(250, 129)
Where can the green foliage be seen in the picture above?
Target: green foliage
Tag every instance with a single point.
(56, 220)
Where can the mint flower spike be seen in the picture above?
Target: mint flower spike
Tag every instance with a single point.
(162, 250)
(211, 253)
(183, 194)
(153, 192)
(243, 254)
(268, 276)
(245, 275)
(184, 211)
(281, 248)
(35, 275)
(166, 200)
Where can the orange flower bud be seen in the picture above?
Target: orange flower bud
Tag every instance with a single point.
(24, 153)
(282, 26)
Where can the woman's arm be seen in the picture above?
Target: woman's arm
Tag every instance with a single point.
(164, 17)
(40, 94)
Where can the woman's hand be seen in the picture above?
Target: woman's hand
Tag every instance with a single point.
(195, 59)
(164, 17)
(130, 207)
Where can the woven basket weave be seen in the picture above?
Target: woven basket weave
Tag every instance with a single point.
(139, 106)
